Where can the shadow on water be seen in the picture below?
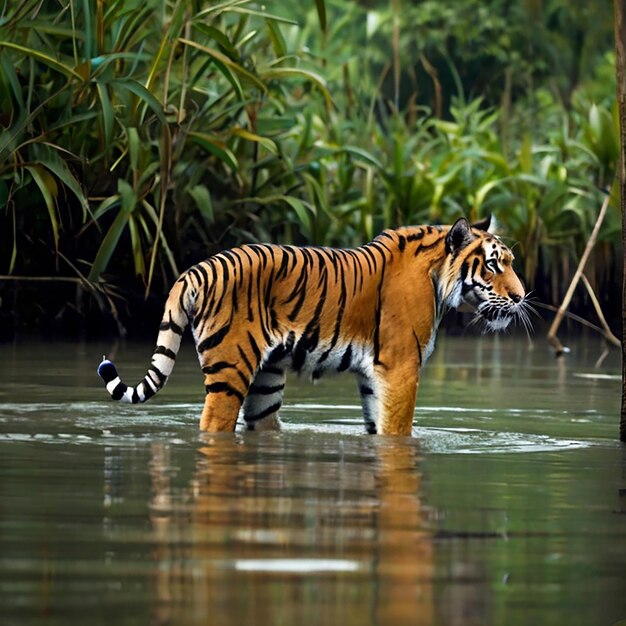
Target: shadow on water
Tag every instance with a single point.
(508, 506)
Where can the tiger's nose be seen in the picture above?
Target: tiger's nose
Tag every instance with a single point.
(515, 297)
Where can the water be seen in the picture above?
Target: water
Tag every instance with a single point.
(508, 506)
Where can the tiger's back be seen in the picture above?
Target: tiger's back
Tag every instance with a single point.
(259, 309)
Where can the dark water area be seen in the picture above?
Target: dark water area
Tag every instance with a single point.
(507, 506)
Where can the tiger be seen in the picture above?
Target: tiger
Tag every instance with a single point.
(257, 310)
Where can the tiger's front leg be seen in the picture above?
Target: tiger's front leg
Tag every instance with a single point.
(398, 391)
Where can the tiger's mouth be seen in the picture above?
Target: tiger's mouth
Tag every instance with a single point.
(497, 316)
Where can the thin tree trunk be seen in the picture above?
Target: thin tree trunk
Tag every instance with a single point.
(620, 68)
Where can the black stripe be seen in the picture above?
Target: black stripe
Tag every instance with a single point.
(242, 354)
(147, 391)
(284, 262)
(175, 328)
(206, 285)
(416, 236)
(464, 270)
(119, 391)
(265, 390)
(217, 367)
(346, 359)
(235, 299)
(475, 265)
(243, 378)
(376, 244)
(160, 375)
(364, 390)
(338, 319)
(255, 347)
(240, 265)
(421, 247)
(366, 249)
(378, 314)
(259, 416)
(225, 269)
(165, 352)
(368, 256)
(250, 313)
(331, 255)
(214, 340)
(249, 273)
(419, 348)
(222, 387)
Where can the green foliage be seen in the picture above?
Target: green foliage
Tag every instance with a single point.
(139, 137)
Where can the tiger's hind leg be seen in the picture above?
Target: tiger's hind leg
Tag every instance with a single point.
(264, 399)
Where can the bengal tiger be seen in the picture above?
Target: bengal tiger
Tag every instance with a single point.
(373, 310)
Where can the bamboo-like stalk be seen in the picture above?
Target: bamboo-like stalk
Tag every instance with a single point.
(608, 335)
(553, 340)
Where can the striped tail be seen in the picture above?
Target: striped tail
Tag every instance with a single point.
(163, 360)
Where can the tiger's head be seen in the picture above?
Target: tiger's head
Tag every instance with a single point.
(479, 272)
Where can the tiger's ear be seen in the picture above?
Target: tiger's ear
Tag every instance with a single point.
(459, 235)
(483, 224)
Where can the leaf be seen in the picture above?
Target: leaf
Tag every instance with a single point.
(111, 239)
(264, 141)
(482, 192)
(244, 73)
(49, 191)
(202, 198)
(43, 58)
(304, 211)
(12, 79)
(135, 241)
(168, 253)
(143, 94)
(106, 205)
(355, 151)
(128, 196)
(264, 14)
(293, 72)
(218, 8)
(230, 77)
(320, 5)
(134, 147)
(278, 41)
(217, 148)
(51, 159)
(218, 36)
(107, 114)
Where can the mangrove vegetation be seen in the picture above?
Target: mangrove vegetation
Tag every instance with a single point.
(139, 137)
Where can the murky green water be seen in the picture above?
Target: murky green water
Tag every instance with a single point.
(507, 507)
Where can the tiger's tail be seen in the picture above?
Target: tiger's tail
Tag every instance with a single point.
(174, 322)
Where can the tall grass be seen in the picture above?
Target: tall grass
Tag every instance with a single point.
(139, 137)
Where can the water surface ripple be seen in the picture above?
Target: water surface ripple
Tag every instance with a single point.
(507, 506)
